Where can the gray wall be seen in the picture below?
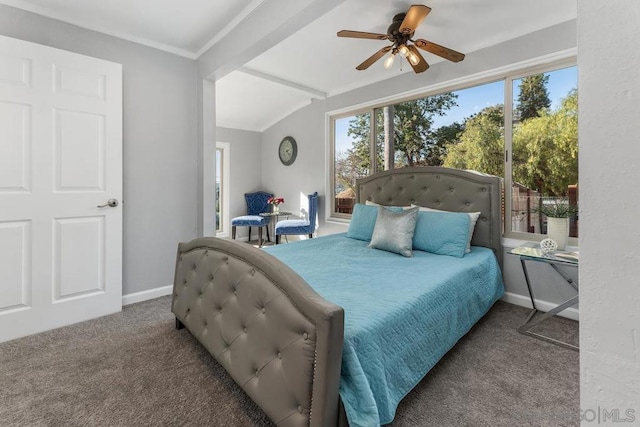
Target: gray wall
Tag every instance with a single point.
(160, 141)
(245, 170)
(609, 57)
(309, 126)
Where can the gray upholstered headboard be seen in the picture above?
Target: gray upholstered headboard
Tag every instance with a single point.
(445, 189)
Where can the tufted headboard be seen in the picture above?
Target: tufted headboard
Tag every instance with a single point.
(277, 338)
(445, 189)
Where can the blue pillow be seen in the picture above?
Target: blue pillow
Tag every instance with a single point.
(363, 220)
(442, 233)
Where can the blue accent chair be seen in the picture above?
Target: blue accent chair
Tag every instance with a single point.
(256, 204)
(299, 226)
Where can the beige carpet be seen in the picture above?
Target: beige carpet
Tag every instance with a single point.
(135, 369)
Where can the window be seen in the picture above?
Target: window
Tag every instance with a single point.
(544, 166)
(352, 159)
(536, 154)
(222, 189)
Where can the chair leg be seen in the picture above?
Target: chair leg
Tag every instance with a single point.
(233, 232)
(277, 239)
(249, 235)
(311, 235)
(268, 238)
(260, 237)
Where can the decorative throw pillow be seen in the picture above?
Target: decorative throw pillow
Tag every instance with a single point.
(473, 216)
(442, 233)
(393, 231)
(370, 203)
(363, 220)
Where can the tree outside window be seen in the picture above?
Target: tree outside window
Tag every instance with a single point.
(465, 129)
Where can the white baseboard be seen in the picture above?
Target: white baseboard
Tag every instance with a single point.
(146, 295)
(524, 301)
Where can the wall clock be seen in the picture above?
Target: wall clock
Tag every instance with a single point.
(288, 150)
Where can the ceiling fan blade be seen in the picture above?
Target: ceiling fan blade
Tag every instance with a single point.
(362, 35)
(442, 51)
(420, 66)
(415, 16)
(373, 58)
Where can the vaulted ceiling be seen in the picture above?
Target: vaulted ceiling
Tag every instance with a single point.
(304, 62)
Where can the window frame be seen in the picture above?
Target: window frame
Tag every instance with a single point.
(549, 63)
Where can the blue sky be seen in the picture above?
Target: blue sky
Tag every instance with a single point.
(474, 99)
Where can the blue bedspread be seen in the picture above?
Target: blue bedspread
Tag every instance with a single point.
(401, 314)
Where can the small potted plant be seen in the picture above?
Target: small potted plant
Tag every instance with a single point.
(558, 213)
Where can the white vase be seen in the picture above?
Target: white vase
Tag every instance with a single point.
(558, 231)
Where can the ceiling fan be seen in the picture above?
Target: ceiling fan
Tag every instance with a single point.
(400, 33)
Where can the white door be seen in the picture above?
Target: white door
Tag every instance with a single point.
(60, 157)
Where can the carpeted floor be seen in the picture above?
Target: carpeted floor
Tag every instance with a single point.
(135, 369)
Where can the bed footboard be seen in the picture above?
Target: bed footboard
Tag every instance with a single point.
(278, 339)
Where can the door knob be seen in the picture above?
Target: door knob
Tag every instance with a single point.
(112, 203)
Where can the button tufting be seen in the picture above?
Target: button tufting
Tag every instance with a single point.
(211, 277)
(305, 336)
(413, 177)
(257, 372)
(279, 355)
(437, 176)
(484, 190)
(299, 409)
(245, 330)
(206, 253)
(235, 293)
(468, 204)
(253, 272)
(263, 310)
(451, 189)
(401, 189)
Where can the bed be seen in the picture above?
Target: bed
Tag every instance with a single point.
(280, 328)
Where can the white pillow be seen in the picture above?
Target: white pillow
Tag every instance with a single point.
(473, 216)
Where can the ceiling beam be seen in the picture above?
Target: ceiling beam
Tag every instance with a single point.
(314, 93)
(267, 25)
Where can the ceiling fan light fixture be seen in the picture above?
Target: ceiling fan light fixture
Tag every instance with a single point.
(413, 58)
(400, 35)
(388, 63)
